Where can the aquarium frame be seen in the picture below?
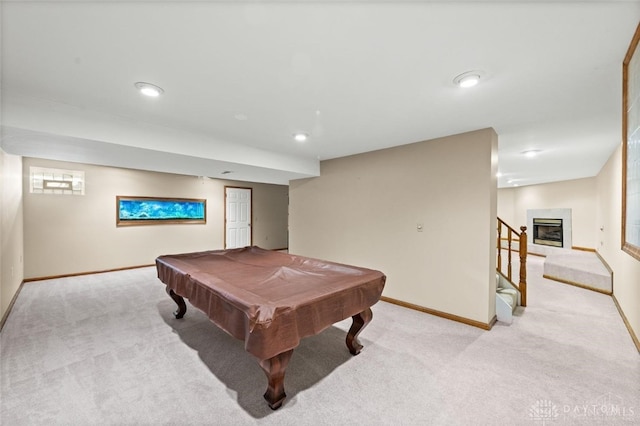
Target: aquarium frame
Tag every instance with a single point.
(120, 221)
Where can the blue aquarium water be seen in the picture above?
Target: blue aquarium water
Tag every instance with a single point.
(160, 210)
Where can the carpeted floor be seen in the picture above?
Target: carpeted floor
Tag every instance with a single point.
(581, 267)
(104, 349)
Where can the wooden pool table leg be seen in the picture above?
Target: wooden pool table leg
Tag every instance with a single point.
(182, 307)
(360, 321)
(274, 369)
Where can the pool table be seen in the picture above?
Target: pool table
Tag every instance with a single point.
(271, 300)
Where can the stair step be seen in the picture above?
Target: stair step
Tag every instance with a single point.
(509, 295)
(583, 269)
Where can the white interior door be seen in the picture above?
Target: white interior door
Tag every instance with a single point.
(237, 217)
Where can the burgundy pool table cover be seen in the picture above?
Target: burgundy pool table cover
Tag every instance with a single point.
(269, 299)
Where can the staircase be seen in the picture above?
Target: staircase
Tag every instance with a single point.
(509, 295)
(507, 299)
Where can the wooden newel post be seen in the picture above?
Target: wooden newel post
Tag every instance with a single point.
(523, 265)
(499, 246)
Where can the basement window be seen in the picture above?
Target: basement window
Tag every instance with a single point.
(56, 181)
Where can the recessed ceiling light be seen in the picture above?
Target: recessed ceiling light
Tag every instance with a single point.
(467, 79)
(149, 89)
(300, 137)
(530, 153)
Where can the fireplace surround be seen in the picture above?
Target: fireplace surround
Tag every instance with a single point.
(547, 214)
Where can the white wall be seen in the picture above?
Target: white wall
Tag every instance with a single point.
(626, 269)
(364, 210)
(11, 228)
(74, 234)
(506, 208)
(578, 195)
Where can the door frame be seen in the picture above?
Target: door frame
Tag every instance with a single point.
(250, 212)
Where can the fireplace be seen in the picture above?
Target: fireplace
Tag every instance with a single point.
(558, 218)
(548, 232)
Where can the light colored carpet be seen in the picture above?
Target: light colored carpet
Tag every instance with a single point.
(104, 349)
(579, 267)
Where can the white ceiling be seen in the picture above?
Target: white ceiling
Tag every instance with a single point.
(357, 76)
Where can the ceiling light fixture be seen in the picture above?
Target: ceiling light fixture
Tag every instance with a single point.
(300, 137)
(530, 153)
(149, 89)
(467, 79)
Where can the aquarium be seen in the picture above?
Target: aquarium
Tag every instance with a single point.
(152, 210)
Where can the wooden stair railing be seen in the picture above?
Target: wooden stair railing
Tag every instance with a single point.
(511, 236)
